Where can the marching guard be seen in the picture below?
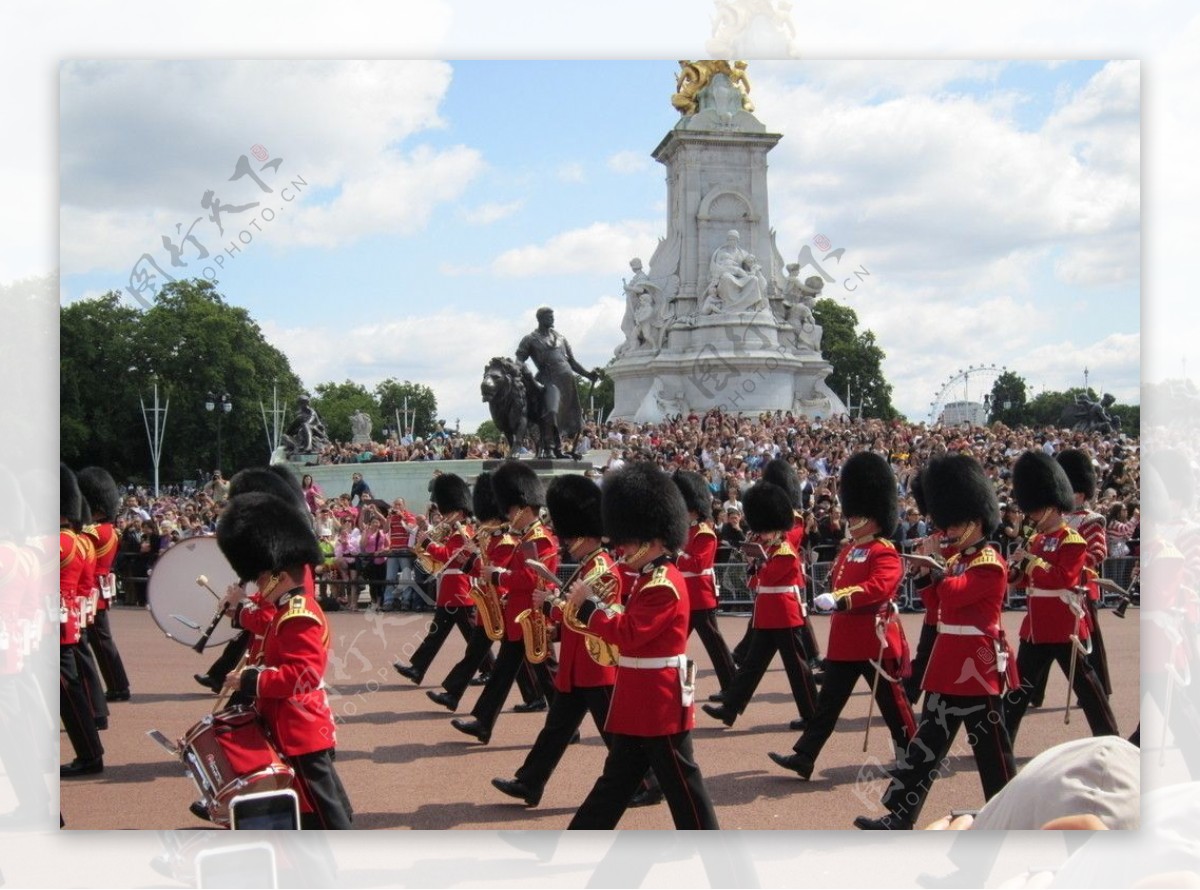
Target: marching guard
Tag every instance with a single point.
(970, 664)
(583, 684)
(267, 540)
(651, 714)
(695, 562)
(865, 638)
(100, 491)
(520, 496)
(776, 585)
(1050, 569)
(927, 546)
(453, 500)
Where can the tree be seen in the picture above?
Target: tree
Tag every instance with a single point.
(1008, 402)
(488, 431)
(394, 396)
(191, 342)
(602, 395)
(336, 402)
(856, 358)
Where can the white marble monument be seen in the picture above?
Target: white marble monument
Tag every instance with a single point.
(715, 321)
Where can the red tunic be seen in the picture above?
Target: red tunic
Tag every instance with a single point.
(70, 567)
(866, 576)
(105, 542)
(290, 691)
(1094, 531)
(520, 582)
(453, 584)
(1050, 579)
(971, 597)
(18, 604)
(648, 700)
(87, 590)
(695, 563)
(777, 588)
(577, 668)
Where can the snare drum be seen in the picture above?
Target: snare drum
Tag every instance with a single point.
(228, 754)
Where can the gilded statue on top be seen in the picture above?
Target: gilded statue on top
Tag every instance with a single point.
(695, 76)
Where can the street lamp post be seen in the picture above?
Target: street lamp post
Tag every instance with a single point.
(222, 404)
(155, 429)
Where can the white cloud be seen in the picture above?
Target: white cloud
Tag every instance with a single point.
(485, 214)
(629, 162)
(599, 248)
(570, 172)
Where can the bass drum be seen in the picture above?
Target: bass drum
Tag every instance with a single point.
(181, 608)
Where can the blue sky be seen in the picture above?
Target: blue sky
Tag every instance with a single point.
(995, 204)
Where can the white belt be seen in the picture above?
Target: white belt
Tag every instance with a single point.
(698, 574)
(793, 589)
(1058, 594)
(451, 572)
(671, 661)
(960, 630)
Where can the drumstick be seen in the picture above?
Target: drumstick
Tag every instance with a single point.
(225, 694)
(202, 580)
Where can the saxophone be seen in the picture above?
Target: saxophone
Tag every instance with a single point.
(535, 632)
(486, 597)
(606, 587)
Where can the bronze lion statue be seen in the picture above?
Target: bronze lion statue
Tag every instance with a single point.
(515, 401)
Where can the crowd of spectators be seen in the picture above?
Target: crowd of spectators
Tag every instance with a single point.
(357, 530)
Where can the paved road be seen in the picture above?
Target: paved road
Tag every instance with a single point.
(406, 767)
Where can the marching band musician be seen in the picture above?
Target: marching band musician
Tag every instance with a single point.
(100, 491)
(928, 545)
(651, 714)
(520, 496)
(695, 562)
(491, 550)
(1050, 568)
(267, 540)
(581, 684)
(865, 640)
(75, 706)
(453, 500)
(970, 664)
(88, 593)
(777, 591)
(1093, 528)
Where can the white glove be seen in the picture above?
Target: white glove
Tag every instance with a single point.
(825, 602)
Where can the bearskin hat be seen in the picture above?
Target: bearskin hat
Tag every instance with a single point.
(259, 532)
(450, 493)
(768, 508)
(1038, 482)
(639, 502)
(957, 490)
(516, 485)
(574, 504)
(98, 487)
(483, 499)
(70, 500)
(780, 472)
(1174, 471)
(696, 495)
(277, 480)
(867, 488)
(1080, 472)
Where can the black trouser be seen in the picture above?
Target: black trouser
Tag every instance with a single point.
(704, 623)
(108, 658)
(925, 759)
(510, 659)
(89, 676)
(562, 720)
(628, 759)
(478, 656)
(230, 656)
(1099, 656)
(764, 643)
(804, 634)
(324, 790)
(840, 678)
(912, 683)
(1033, 664)
(75, 708)
(445, 619)
(22, 745)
